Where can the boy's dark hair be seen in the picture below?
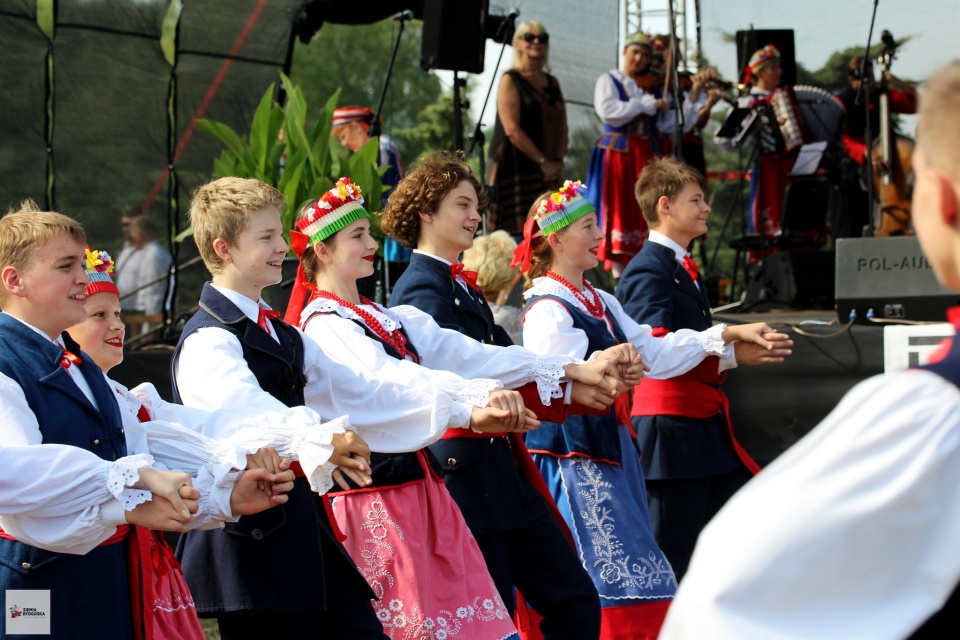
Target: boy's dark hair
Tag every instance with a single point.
(664, 177)
(421, 191)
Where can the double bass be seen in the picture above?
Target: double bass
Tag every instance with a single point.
(892, 153)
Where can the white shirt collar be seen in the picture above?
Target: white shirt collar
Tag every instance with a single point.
(435, 257)
(250, 308)
(659, 238)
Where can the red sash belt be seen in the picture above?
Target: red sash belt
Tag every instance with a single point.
(123, 530)
(695, 394)
(456, 432)
(324, 500)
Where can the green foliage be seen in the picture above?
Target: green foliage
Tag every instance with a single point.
(434, 127)
(45, 17)
(168, 31)
(355, 59)
(294, 154)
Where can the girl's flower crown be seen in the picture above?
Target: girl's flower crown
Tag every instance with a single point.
(562, 207)
(553, 213)
(99, 268)
(334, 210)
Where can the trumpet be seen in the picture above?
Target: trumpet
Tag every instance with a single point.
(726, 85)
(731, 90)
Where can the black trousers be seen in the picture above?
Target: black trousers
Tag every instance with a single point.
(349, 611)
(680, 509)
(542, 564)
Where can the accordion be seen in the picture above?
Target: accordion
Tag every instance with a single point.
(781, 129)
(793, 116)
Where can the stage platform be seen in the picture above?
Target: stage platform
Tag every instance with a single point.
(773, 406)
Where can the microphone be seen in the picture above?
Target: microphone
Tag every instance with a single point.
(887, 39)
(404, 15)
(507, 23)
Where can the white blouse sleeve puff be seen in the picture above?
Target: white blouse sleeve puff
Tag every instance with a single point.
(61, 497)
(548, 328)
(335, 329)
(513, 366)
(212, 375)
(616, 112)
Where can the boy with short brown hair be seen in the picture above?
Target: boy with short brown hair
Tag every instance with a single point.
(692, 462)
(235, 351)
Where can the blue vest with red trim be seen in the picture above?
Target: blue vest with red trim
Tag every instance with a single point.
(591, 436)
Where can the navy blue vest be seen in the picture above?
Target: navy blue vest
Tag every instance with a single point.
(281, 545)
(89, 594)
(595, 437)
(479, 473)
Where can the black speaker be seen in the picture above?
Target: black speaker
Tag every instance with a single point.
(453, 35)
(888, 278)
(782, 39)
(801, 280)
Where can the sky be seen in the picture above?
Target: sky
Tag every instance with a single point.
(820, 28)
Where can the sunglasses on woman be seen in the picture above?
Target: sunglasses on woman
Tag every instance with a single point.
(543, 38)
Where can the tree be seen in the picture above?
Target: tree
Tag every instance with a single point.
(354, 59)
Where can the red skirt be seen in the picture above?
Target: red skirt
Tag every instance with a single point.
(413, 546)
(624, 228)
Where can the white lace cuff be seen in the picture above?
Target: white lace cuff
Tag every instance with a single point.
(477, 392)
(314, 453)
(124, 473)
(548, 371)
(712, 340)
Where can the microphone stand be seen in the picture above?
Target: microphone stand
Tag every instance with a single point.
(675, 87)
(374, 130)
(478, 138)
(383, 285)
(864, 91)
(458, 83)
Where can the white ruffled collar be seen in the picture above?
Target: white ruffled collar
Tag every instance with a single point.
(544, 286)
(385, 317)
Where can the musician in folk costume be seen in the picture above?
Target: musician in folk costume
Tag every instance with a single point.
(903, 99)
(628, 143)
(773, 162)
(699, 99)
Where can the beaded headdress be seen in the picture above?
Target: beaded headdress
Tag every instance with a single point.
(334, 210)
